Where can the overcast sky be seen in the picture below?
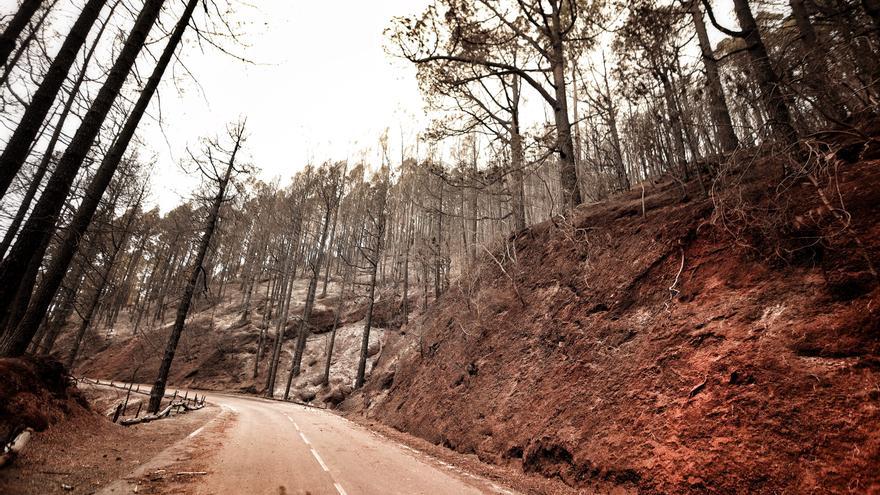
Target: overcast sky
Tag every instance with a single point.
(321, 87)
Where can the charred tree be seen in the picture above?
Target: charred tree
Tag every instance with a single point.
(222, 180)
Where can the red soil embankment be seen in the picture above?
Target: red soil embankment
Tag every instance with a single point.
(35, 393)
(686, 352)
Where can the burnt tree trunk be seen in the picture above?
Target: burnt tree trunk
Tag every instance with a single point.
(19, 144)
(84, 214)
(158, 390)
(32, 242)
(717, 103)
(16, 25)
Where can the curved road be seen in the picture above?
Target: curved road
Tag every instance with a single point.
(272, 447)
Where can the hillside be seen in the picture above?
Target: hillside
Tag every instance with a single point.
(218, 348)
(695, 350)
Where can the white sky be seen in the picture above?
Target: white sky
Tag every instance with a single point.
(322, 87)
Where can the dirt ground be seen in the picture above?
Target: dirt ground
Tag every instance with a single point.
(84, 452)
(674, 343)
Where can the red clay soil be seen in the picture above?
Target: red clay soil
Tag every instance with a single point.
(725, 345)
(35, 393)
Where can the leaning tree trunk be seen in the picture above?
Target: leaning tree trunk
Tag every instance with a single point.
(768, 81)
(43, 167)
(19, 21)
(61, 315)
(717, 103)
(109, 264)
(86, 211)
(32, 242)
(23, 46)
(18, 146)
(158, 390)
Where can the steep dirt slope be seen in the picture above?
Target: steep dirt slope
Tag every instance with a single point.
(704, 348)
(35, 393)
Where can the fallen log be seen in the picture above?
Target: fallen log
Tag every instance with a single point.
(164, 413)
(148, 417)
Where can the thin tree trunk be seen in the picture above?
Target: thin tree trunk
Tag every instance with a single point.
(102, 285)
(280, 328)
(365, 340)
(340, 307)
(304, 329)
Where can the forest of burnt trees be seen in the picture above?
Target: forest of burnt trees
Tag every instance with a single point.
(632, 93)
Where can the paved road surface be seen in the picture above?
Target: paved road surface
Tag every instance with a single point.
(281, 448)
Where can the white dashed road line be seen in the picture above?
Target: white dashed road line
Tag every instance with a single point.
(317, 457)
(196, 432)
(320, 461)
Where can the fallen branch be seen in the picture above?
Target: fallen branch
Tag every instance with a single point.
(697, 389)
(164, 413)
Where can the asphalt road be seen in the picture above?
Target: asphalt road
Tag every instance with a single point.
(280, 448)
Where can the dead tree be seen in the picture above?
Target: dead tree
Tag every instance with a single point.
(209, 168)
(16, 279)
(19, 143)
(16, 25)
(28, 325)
(372, 253)
(768, 81)
(48, 154)
(327, 185)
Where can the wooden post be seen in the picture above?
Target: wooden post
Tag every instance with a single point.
(117, 413)
(127, 395)
(138, 413)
